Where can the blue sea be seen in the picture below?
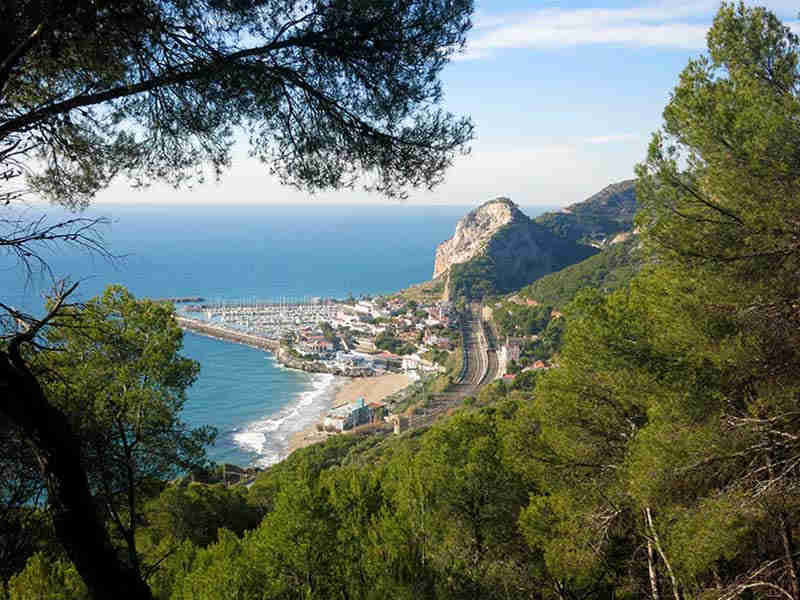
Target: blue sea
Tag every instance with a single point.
(231, 252)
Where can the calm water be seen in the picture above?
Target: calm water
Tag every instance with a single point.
(246, 251)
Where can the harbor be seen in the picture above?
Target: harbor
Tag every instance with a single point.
(257, 322)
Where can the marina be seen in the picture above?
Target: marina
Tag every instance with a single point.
(258, 322)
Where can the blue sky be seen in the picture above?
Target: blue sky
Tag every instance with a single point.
(564, 96)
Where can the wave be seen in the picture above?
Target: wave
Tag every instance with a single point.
(268, 438)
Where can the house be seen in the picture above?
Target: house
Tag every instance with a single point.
(348, 416)
(363, 307)
(377, 411)
(411, 362)
(414, 362)
(441, 342)
(509, 351)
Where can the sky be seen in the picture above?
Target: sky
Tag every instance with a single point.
(564, 97)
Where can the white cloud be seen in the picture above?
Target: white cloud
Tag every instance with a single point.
(674, 24)
(610, 139)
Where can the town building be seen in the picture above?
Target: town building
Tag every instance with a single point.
(348, 416)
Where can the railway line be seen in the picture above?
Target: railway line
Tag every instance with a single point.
(478, 369)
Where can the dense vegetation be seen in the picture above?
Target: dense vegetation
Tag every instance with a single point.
(386, 341)
(660, 459)
(518, 253)
(611, 269)
(528, 313)
(596, 219)
(517, 320)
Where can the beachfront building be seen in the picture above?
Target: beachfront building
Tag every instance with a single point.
(348, 416)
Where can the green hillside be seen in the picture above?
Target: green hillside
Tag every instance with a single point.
(518, 254)
(604, 214)
(529, 313)
(607, 271)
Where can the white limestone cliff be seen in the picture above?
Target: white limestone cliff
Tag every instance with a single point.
(473, 233)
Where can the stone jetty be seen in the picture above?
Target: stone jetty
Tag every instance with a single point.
(231, 335)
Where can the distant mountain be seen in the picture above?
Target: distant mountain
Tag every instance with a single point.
(597, 220)
(496, 249)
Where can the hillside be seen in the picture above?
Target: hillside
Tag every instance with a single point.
(598, 219)
(608, 270)
(497, 249)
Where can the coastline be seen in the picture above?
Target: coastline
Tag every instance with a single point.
(372, 389)
(345, 387)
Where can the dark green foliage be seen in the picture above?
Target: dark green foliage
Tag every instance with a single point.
(386, 341)
(195, 513)
(548, 344)
(517, 320)
(326, 90)
(437, 356)
(45, 577)
(605, 214)
(476, 278)
(607, 271)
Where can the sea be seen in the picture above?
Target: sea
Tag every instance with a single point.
(229, 252)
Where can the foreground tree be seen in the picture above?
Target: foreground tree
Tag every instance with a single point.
(329, 92)
(122, 383)
(672, 426)
(731, 220)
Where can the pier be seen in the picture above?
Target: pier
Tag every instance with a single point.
(230, 335)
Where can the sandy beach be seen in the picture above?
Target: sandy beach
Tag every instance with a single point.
(370, 388)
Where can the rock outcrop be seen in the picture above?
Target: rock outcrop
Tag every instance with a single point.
(496, 248)
(473, 233)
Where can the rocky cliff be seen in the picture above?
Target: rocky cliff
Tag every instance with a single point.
(496, 248)
(473, 233)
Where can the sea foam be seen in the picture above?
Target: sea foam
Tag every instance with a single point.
(269, 437)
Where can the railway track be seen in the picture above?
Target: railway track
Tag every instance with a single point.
(479, 368)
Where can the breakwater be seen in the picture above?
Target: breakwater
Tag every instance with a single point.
(230, 335)
(181, 299)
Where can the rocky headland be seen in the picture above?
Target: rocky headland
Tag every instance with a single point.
(496, 248)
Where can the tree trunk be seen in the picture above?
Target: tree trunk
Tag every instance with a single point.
(651, 567)
(76, 521)
(789, 553)
(675, 591)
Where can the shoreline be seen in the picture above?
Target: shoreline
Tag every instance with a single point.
(372, 389)
(344, 389)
